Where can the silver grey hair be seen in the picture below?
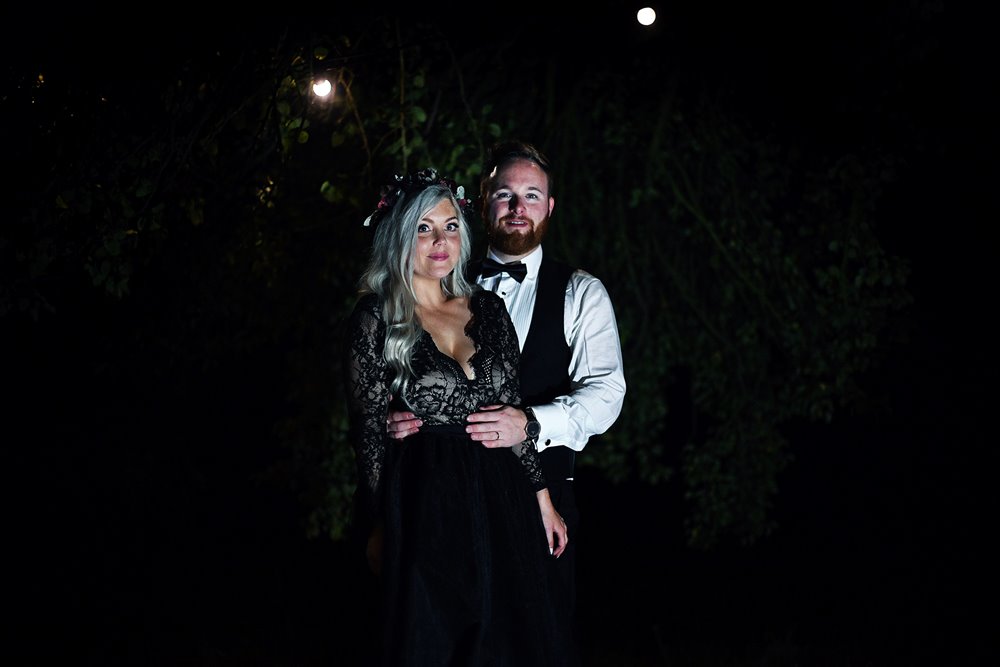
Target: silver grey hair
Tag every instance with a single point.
(390, 275)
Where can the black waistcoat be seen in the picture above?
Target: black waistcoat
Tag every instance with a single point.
(546, 355)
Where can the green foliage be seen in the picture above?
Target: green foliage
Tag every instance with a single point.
(753, 270)
(749, 283)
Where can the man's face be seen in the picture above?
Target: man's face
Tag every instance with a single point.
(518, 208)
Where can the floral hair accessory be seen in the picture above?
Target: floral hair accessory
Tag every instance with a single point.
(411, 183)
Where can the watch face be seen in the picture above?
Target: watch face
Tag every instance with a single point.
(532, 428)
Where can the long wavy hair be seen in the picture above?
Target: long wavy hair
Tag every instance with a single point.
(390, 274)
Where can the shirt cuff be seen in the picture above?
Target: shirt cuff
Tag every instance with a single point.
(553, 422)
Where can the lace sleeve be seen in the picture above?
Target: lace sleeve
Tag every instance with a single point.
(510, 387)
(368, 397)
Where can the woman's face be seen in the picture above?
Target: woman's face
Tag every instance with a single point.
(439, 242)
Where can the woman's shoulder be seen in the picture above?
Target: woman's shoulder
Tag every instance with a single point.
(484, 299)
(368, 301)
(367, 306)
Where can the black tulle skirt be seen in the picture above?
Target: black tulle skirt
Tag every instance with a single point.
(464, 566)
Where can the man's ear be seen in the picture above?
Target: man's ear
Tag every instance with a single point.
(552, 203)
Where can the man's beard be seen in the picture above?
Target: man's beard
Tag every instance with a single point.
(514, 242)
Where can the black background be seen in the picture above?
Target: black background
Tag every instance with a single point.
(120, 556)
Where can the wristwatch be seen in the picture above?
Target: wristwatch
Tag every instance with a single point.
(532, 428)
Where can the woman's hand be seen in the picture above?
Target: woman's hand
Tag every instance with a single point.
(555, 528)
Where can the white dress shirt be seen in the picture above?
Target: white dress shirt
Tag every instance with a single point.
(595, 369)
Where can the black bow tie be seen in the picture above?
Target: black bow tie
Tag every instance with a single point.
(491, 267)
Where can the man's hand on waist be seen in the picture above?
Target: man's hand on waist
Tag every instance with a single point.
(497, 426)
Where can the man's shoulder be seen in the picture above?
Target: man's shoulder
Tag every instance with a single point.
(551, 260)
(558, 267)
(559, 263)
(578, 280)
(573, 273)
(583, 283)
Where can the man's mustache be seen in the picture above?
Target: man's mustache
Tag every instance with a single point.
(521, 218)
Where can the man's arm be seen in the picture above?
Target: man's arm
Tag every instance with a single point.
(596, 374)
(596, 377)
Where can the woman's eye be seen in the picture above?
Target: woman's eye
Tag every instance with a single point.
(423, 228)
(452, 226)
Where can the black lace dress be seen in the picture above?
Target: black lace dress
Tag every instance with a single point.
(465, 553)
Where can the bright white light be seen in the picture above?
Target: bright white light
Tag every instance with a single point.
(322, 87)
(646, 16)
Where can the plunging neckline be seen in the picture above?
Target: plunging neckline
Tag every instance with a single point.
(467, 331)
(475, 351)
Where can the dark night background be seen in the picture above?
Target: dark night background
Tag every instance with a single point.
(120, 554)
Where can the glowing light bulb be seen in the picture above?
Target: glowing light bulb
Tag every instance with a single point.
(322, 87)
(646, 16)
